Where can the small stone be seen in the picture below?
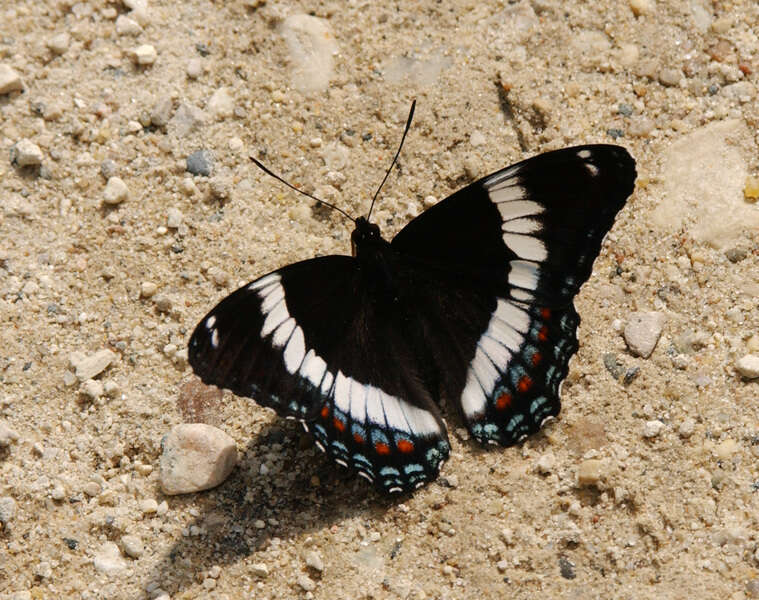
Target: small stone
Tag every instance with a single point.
(670, 77)
(687, 427)
(640, 126)
(58, 493)
(92, 388)
(148, 289)
(108, 559)
(502, 566)
(174, 218)
(160, 114)
(546, 463)
(260, 570)
(200, 163)
(566, 568)
(148, 506)
(10, 81)
(127, 26)
(314, 561)
(7, 509)
(477, 138)
(312, 48)
(748, 366)
(306, 583)
(43, 570)
(590, 472)
(751, 189)
(195, 457)
(641, 7)
(651, 429)
(194, 68)
(221, 105)
(58, 44)
(25, 153)
(91, 488)
(163, 303)
(7, 435)
(642, 332)
(725, 449)
(219, 276)
(88, 367)
(132, 545)
(115, 192)
(145, 55)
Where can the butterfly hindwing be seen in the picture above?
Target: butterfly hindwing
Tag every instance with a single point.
(308, 342)
(525, 239)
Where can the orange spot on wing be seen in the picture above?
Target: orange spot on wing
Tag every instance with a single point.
(543, 333)
(325, 411)
(536, 358)
(339, 425)
(525, 383)
(545, 313)
(382, 449)
(503, 401)
(358, 438)
(405, 446)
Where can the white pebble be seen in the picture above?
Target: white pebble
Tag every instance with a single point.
(221, 105)
(132, 545)
(10, 81)
(25, 153)
(314, 561)
(174, 218)
(590, 471)
(195, 457)
(92, 388)
(7, 435)
(7, 509)
(641, 7)
(748, 366)
(148, 289)
(312, 49)
(88, 367)
(260, 570)
(687, 427)
(194, 68)
(116, 191)
(108, 559)
(148, 506)
(219, 276)
(546, 463)
(651, 429)
(58, 44)
(127, 26)
(91, 488)
(145, 55)
(642, 332)
(306, 583)
(476, 138)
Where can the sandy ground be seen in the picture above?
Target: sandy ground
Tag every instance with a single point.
(323, 101)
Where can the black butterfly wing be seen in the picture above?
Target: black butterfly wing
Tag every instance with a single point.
(511, 251)
(311, 342)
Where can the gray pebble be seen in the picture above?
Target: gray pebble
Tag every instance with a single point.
(7, 509)
(108, 168)
(195, 457)
(25, 153)
(642, 332)
(10, 81)
(625, 110)
(200, 163)
(160, 114)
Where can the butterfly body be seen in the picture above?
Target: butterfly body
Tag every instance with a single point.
(468, 306)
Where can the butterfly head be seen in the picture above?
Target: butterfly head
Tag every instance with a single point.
(365, 234)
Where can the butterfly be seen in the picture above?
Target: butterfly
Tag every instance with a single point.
(469, 305)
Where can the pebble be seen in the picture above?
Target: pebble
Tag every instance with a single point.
(546, 463)
(590, 472)
(132, 545)
(108, 559)
(25, 153)
(651, 429)
(219, 276)
(91, 488)
(194, 457)
(127, 26)
(43, 570)
(148, 289)
(753, 343)
(642, 332)
(260, 570)
(641, 7)
(312, 48)
(7, 509)
(194, 68)
(7, 435)
(221, 104)
(88, 367)
(748, 366)
(144, 55)
(751, 189)
(670, 77)
(640, 126)
(477, 138)
(725, 449)
(10, 81)
(92, 388)
(58, 44)
(306, 583)
(148, 506)
(163, 303)
(314, 561)
(174, 218)
(200, 163)
(687, 427)
(160, 114)
(116, 191)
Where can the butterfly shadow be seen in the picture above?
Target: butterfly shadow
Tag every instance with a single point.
(299, 491)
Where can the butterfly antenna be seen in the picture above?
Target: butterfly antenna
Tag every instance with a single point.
(292, 187)
(392, 164)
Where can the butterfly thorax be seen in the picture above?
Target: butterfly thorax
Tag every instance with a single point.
(374, 257)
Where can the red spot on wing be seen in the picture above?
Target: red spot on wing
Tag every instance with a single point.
(358, 439)
(503, 401)
(545, 313)
(405, 446)
(525, 383)
(325, 411)
(339, 425)
(543, 333)
(536, 358)
(382, 449)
